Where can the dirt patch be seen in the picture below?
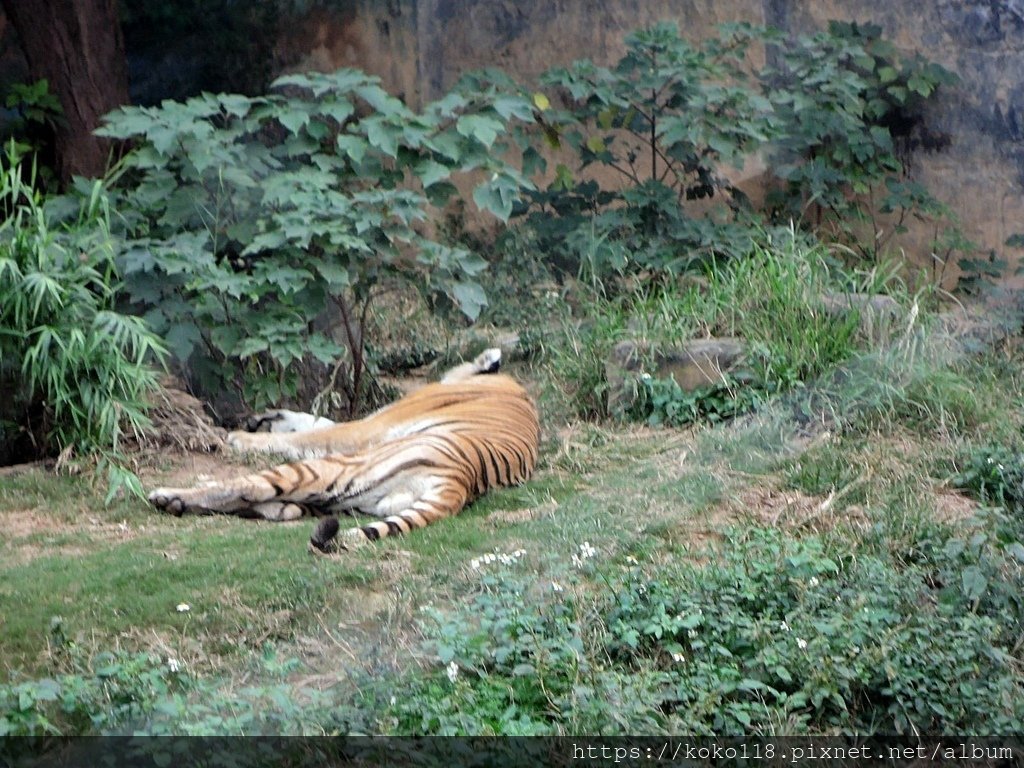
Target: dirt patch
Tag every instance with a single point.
(180, 421)
(503, 517)
(394, 564)
(18, 526)
(194, 468)
(776, 508)
(794, 509)
(952, 507)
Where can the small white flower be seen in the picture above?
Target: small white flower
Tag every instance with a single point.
(393, 701)
(632, 560)
(586, 550)
(173, 664)
(557, 587)
(801, 644)
(991, 460)
(183, 608)
(678, 658)
(813, 581)
(474, 563)
(453, 672)
(784, 627)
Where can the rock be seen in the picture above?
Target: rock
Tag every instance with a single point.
(877, 304)
(695, 364)
(878, 312)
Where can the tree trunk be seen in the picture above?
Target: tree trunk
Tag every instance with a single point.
(77, 46)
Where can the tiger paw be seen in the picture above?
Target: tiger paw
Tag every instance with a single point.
(324, 538)
(282, 420)
(243, 441)
(168, 500)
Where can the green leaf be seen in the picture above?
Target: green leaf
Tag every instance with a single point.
(469, 297)
(533, 162)
(338, 110)
(440, 193)
(337, 276)
(497, 196)
(182, 338)
(250, 346)
(431, 172)
(234, 104)
(513, 106)
(293, 119)
(484, 129)
(887, 74)
(974, 582)
(353, 146)
(382, 136)
(1016, 549)
(163, 138)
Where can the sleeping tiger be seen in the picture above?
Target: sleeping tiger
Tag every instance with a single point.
(418, 460)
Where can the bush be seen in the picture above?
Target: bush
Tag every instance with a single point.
(118, 693)
(261, 229)
(994, 474)
(772, 299)
(848, 110)
(835, 116)
(664, 119)
(74, 371)
(773, 635)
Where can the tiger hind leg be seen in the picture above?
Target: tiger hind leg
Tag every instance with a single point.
(283, 493)
(444, 500)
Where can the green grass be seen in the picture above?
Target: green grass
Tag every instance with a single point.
(240, 577)
(231, 578)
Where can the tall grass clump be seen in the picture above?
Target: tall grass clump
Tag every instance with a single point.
(74, 371)
(775, 300)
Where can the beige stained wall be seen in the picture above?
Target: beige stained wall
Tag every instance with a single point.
(420, 47)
